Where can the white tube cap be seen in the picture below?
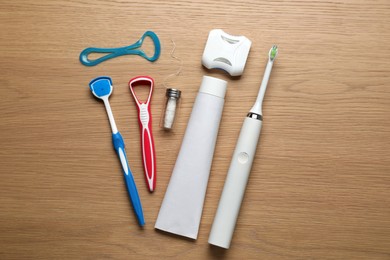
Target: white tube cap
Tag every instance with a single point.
(213, 86)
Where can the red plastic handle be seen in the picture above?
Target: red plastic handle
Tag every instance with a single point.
(145, 123)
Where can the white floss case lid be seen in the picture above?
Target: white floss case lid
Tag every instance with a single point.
(226, 52)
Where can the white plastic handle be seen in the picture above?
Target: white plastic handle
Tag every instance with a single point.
(233, 191)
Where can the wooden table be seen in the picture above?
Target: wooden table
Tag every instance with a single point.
(320, 184)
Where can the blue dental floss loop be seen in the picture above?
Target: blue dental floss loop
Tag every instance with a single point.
(127, 50)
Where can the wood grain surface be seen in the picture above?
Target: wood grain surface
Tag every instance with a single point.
(320, 183)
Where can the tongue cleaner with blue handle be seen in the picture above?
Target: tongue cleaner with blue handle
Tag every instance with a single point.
(127, 50)
(101, 88)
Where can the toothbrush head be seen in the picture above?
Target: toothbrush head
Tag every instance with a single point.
(101, 87)
(273, 52)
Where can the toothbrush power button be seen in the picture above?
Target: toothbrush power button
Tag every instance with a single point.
(243, 157)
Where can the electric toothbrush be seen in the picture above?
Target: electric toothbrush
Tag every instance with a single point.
(233, 191)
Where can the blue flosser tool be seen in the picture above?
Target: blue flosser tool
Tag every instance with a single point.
(115, 52)
(101, 88)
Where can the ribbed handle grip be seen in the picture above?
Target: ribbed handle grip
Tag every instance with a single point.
(149, 158)
(119, 147)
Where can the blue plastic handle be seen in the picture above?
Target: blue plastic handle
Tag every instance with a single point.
(127, 50)
(119, 147)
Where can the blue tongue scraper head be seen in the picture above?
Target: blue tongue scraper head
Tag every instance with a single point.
(133, 49)
(101, 88)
